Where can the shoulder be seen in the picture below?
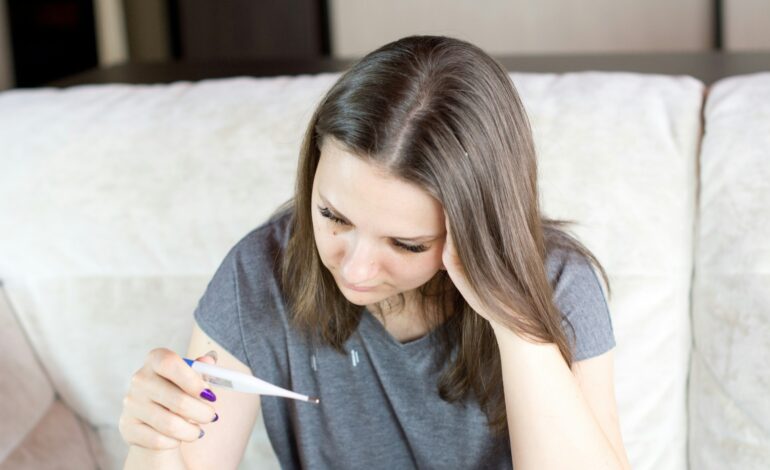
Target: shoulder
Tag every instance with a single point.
(243, 295)
(259, 251)
(568, 269)
(271, 236)
(579, 296)
(250, 262)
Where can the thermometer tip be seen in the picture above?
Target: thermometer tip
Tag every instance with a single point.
(314, 400)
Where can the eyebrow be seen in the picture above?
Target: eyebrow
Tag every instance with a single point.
(424, 238)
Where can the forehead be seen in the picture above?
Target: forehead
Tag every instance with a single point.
(369, 196)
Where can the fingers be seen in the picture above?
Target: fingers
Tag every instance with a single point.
(448, 255)
(164, 405)
(169, 365)
(168, 395)
(163, 421)
(137, 433)
(209, 358)
(212, 354)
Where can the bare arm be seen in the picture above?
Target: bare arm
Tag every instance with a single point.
(141, 458)
(163, 416)
(225, 441)
(550, 420)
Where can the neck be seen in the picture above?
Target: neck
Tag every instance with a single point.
(395, 306)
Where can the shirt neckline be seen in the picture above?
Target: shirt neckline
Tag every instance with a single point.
(380, 332)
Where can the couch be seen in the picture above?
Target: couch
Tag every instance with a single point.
(118, 202)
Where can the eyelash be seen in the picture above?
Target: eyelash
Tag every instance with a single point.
(325, 212)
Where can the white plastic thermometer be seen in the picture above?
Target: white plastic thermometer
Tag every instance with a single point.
(243, 382)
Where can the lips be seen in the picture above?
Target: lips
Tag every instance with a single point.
(356, 288)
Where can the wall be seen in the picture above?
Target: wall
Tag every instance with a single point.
(110, 32)
(747, 25)
(498, 26)
(527, 26)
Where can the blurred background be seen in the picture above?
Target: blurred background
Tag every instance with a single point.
(42, 41)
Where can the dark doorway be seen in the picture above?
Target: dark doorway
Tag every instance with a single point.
(51, 39)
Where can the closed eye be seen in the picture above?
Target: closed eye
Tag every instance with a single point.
(325, 212)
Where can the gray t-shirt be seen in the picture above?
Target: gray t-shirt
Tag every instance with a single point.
(379, 404)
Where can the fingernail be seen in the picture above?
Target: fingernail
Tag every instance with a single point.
(201, 434)
(212, 354)
(216, 418)
(208, 395)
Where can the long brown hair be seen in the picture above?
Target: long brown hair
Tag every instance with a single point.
(440, 113)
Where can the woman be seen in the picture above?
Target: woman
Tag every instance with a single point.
(412, 284)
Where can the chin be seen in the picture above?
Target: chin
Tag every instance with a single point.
(361, 298)
(358, 302)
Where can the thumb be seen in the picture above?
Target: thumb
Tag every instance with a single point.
(209, 358)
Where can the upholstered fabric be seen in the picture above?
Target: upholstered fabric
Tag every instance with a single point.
(25, 390)
(729, 412)
(618, 155)
(58, 442)
(119, 202)
(37, 431)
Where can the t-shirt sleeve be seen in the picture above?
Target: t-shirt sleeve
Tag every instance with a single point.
(579, 296)
(218, 310)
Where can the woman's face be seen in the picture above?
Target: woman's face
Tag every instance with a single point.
(378, 236)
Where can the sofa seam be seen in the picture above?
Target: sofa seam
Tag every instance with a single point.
(694, 252)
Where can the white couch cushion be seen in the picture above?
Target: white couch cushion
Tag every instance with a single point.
(122, 200)
(618, 155)
(26, 393)
(730, 378)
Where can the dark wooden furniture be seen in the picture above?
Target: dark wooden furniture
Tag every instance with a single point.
(248, 29)
(706, 66)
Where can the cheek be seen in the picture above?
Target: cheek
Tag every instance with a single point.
(416, 271)
(330, 247)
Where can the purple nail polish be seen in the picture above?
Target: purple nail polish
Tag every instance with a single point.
(201, 434)
(216, 418)
(208, 395)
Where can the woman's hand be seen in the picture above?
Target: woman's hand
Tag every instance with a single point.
(456, 272)
(166, 403)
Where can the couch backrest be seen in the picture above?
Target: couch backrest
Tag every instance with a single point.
(618, 154)
(119, 202)
(730, 377)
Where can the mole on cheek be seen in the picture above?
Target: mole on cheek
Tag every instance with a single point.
(335, 232)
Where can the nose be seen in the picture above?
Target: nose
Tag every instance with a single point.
(360, 265)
